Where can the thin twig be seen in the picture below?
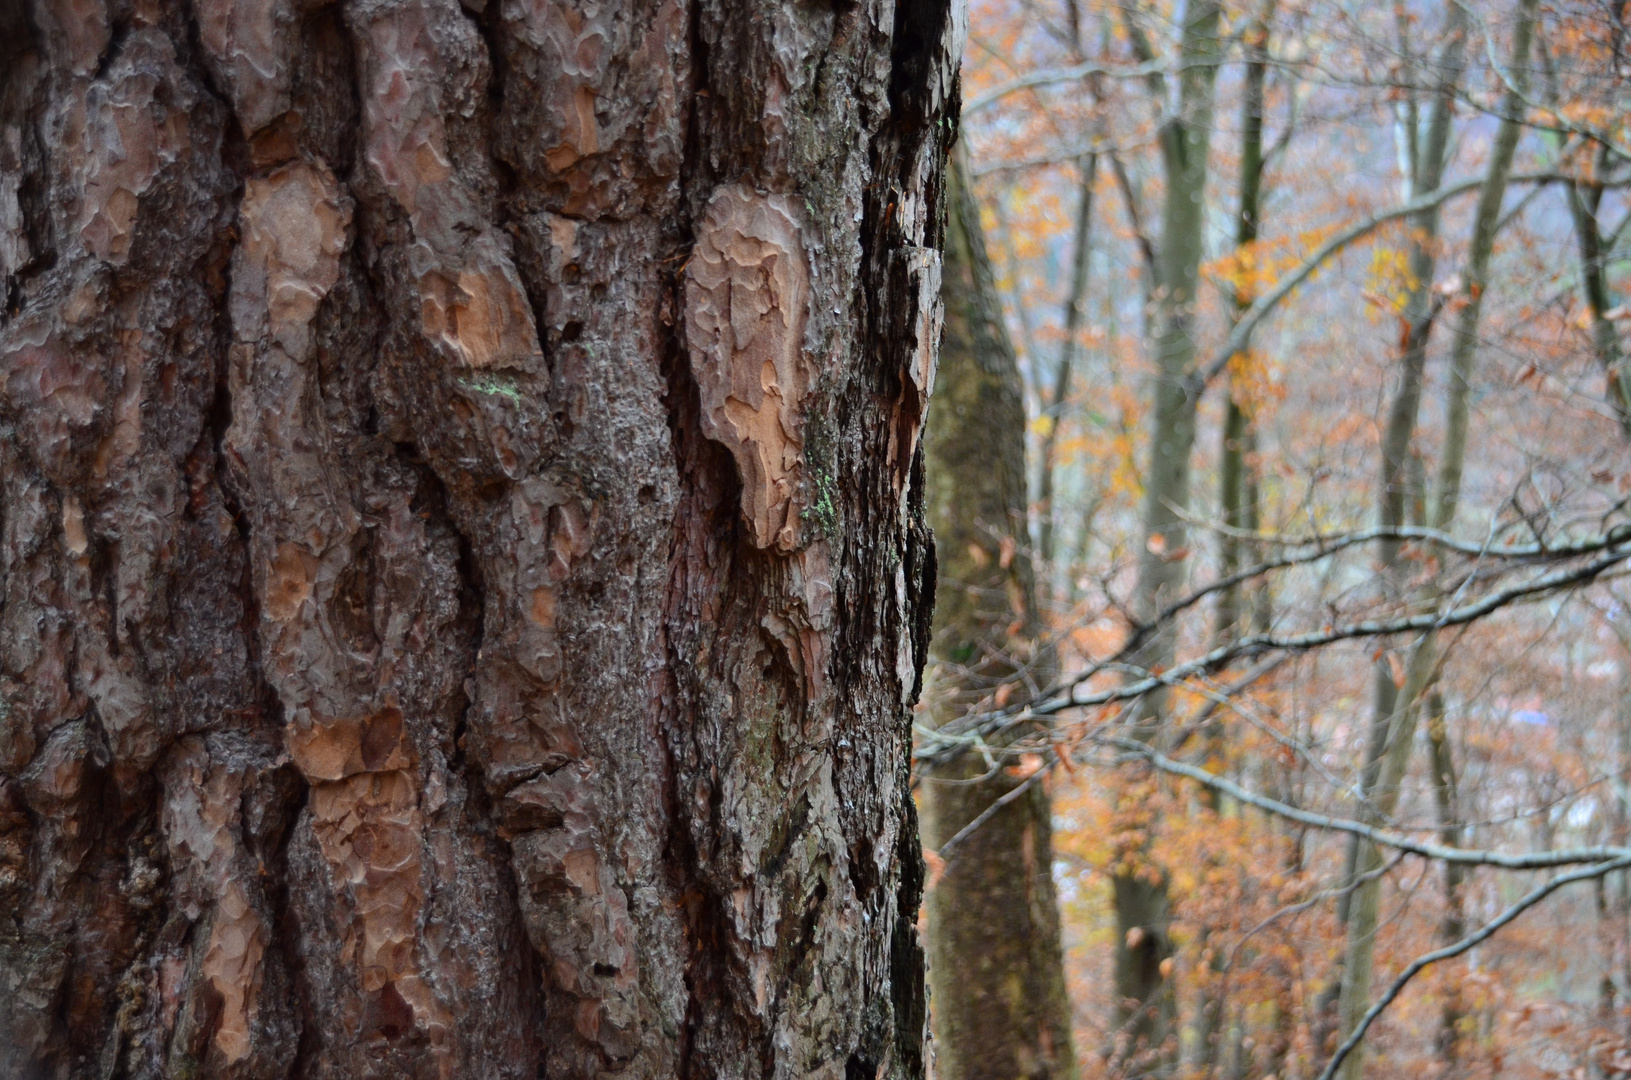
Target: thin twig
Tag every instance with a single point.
(1054, 76)
(990, 812)
(1240, 335)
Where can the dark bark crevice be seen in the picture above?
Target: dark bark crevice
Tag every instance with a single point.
(710, 490)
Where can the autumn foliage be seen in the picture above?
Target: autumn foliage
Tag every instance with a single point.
(1519, 712)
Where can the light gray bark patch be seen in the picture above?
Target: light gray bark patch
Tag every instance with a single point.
(747, 299)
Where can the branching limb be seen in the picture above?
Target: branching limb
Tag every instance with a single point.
(1241, 334)
(1303, 905)
(1258, 644)
(962, 734)
(1527, 860)
(1068, 696)
(1129, 196)
(1055, 76)
(1323, 547)
(1483, 933)
(1333, 542)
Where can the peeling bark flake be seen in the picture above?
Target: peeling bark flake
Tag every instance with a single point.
(747, 301)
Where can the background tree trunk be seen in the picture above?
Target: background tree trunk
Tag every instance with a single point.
(462, 573)
(1054, 405)
(1392, 708)
(1237, 469)
(1145, 1016)
(996, 972)
(1452, 463)
(1585, 201)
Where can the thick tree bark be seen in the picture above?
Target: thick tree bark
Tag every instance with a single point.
(995, 967)
(462, 574)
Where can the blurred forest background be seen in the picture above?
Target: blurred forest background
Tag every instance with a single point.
(1308, 631)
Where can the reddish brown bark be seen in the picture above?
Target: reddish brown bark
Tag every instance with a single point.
(462, 573)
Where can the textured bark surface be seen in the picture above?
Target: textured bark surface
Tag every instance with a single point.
(996, 970)
(462, 573)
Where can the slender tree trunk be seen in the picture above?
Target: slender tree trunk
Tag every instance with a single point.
(1607, 992)
(1238, 482)
(1068, 349)
(1235, 445)
(1622, 822)
(1453, 926)
(1278, 1034)
(1585, 199)
(1185, 144)
(996, 970)
(1146, 1002)
(1016, 295)
(1486, 218)
(1234, 464)
(1262, 593)
(462, 576)
(1464, 352)
(1393, 714)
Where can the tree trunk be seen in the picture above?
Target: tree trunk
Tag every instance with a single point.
(1622, 823)
(1046, 511)
(1237, 485)
(1464, 353)
(1486, 220)
(1453, 925)
(1236, 468)
(1584, 197)
(995, 968)
(1393, 714)
(462, 575)
(1146, 1011)
(1585, 200)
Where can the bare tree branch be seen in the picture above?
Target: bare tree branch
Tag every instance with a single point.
(1241, 333)
(1526, 860)
(973, 731)
(1325, 547)
(1483, 933)
(991, 811)
(1054, 76)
